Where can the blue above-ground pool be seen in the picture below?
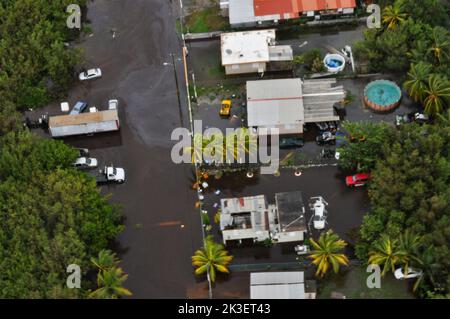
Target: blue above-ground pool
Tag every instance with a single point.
(382, 95)
(334, 63)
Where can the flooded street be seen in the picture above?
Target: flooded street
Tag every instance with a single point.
(139, 52)
(132, 43)
(162, 226)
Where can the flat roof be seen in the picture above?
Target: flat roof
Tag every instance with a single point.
(83, 118)
(281, 53)
(291, 211)
(275, 103)
(277, 285)
(246, 46)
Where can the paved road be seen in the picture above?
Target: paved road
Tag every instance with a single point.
(162, 226)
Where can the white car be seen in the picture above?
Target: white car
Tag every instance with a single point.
(85, 162)
(410, 273)
(317, 206)
(90, 74)
(113, 104)
(115, 174)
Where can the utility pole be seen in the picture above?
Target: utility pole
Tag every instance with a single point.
(178, 89)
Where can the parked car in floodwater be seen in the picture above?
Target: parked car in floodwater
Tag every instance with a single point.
(411, 117)
(79, 107)
(357, 180)
(291, 142)
(326, 138)
(410, 273)
(85, 162)
(90, 74)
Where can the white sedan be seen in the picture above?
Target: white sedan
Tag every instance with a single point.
(85, 162)
(90, 74)
(410, 273)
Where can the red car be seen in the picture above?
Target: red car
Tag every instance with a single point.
(357, 180)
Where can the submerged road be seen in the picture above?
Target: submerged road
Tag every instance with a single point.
(133, 43)
(136, 45)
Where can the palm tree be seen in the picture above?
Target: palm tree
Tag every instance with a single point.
(232, 143)
(417, 82)
(210, 258)
(110, 283)
(445, 118)
(106, 259)
(197, 148)
(327, 251)
(409, 244)
(437, 94)
(440, 45)
(393, 16)
(206, 145)
(427, 263)
(385, 252)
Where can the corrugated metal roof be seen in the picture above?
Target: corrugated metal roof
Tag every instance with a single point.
(281, 277)
(272, 103)
(318, 5)
(285, 8)
(83, 118)
(248, 11)
(241, 11)
(277, 285)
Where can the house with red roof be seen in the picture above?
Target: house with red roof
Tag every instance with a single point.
(254, 12)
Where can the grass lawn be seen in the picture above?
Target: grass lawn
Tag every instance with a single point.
(352, 283)
(206, 20)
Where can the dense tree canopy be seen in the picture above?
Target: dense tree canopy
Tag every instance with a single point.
(363, 145)
(34, 62)
(52, 216)
(415, 37)
(409, 192)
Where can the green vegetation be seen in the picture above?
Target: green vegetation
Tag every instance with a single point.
(109, 278)
(217, 72)
(225, 90)
(364, 145)
(206, 20)
(414, 37)
(52, 216)
(409, 198)
(312, 60)
(35, 64)
(351, 282)
(218, 147)
(327, 253)
(211, 257)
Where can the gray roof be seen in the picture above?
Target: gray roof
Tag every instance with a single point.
(319, 96)
(275, 103)
(277, 285)
(241, 11)
(291, 211)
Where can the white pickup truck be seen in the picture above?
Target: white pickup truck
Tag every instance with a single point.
(110, 174)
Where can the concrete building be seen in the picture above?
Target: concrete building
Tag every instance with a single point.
(254, 52)
(258, 12)
(253, 219)
(281, 285)
(288, 104)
